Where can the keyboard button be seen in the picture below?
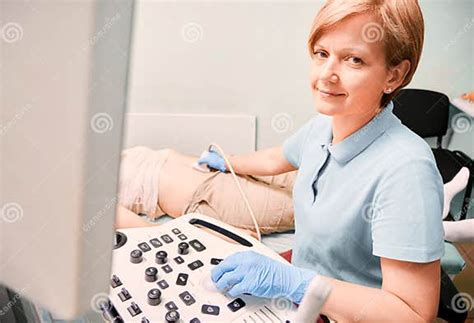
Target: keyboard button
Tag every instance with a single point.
(136, 256)
(151, 274)
(210, 309)
(171, 306)
(166, 238)
(236, 304)
(167, 269)
(187, 298)
(161, 257)
(176, 231)
(156, 243)
(163, 284)
(198, 246)
(172, 317)
(182, 236)
(124, 295)
(195, 265)
(154, 297)
(145, 320)
(182, 279)
(115, 281)
(195, 320)
(179, 260)
(133, 309)
(144, 247)
(216, 261)
(183, 248)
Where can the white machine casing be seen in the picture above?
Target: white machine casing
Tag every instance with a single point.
(199, 284)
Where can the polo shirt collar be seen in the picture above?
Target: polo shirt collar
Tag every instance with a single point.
(353, 145)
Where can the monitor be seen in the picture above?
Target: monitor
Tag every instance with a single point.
(63, 92)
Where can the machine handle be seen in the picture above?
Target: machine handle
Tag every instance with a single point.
(225, 232)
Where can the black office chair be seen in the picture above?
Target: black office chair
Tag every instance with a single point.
(427, 114)
(452, 307)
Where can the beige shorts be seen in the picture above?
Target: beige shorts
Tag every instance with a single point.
(140, 169)
(269, 196)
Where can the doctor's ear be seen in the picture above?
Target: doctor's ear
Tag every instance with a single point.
(396, 75)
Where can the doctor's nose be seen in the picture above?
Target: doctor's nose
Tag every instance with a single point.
(328, 72)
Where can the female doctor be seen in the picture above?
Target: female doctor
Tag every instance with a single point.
(368, 197)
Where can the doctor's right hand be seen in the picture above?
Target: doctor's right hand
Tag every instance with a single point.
(256, 274)
(213, 160)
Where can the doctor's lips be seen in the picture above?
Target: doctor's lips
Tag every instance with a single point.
(331, 94)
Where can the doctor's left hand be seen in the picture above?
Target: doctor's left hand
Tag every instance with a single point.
(259, 275)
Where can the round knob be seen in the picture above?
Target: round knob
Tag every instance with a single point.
(151, 274)
(161, 257)
(172, 317)
(136, 256)
(183, 248)
(154, 297)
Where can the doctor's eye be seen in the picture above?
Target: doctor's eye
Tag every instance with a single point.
(319, 53)
(355, 60)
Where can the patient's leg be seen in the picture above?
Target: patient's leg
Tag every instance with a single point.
(220, 198)
(124, 218)
(283, 181)
(453, 187)
(459, 231)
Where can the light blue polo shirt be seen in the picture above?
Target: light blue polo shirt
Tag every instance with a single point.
(377, 193)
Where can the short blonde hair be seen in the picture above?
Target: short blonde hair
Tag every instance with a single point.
(399, 25)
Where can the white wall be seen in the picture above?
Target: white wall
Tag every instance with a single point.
(228, 57)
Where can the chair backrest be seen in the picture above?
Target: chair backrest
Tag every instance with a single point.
(425, 112)
(451, 307)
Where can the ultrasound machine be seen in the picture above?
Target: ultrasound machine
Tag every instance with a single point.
(64, 83)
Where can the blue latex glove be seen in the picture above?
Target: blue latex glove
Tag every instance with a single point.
(213, 160)
(255, 274)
